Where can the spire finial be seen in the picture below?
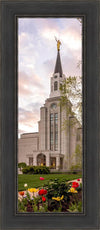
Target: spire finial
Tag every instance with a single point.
(58, 67)
(58, 43)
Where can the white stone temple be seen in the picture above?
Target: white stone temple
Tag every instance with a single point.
(52, 145)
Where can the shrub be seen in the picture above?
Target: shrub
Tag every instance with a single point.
(22, 165)
(75, 207)
(25, 170)
(57, 188)
(75, 167)
(36, 170)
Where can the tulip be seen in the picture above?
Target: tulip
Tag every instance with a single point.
(21, 193)
(72, 190)
(43, 199)
(75, 184)
(25, 185)
(41, 178)
(58, 198)
(42, 192)
(33, 190)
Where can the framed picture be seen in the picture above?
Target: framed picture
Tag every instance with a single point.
(42, 41)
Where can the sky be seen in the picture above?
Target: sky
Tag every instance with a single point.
(37, 52)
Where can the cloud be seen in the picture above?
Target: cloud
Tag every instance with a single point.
(69, 33)
(20, 131)
(37, 53)
(28, 84)
(48, 65)
(34, 106)
(28, 118)
(70, 66)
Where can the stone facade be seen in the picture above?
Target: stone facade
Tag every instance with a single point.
(52, 145)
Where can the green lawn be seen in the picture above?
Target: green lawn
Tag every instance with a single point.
(33, 181)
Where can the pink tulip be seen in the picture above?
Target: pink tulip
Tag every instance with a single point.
(41, 178)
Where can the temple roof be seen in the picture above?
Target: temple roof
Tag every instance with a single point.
(58, 67)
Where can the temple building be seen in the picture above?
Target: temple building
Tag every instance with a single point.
(52, 145)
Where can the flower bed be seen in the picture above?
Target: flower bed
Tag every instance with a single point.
(55, 196)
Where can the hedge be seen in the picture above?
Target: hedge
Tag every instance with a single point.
(22, 165)
(36, 170)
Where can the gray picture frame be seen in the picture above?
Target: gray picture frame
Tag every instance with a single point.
(88, 10)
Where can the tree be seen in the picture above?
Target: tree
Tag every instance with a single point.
(78, 156)
(21, 165)
(71, 90)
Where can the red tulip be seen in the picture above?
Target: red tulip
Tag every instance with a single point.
(41, 178)
(45, 191)
(21, 193)
(78, 179)
(42, 192)
(75, 184)
(43, 199)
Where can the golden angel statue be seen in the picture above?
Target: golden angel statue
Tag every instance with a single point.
(58, 43)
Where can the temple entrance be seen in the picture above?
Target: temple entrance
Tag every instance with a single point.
(41, 159)
(53, 162)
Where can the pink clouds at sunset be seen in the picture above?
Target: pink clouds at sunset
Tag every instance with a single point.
(26, 82)
(37, 53)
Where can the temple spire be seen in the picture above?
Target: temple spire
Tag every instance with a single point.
(58, 67)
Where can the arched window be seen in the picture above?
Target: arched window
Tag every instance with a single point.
(53, 106)
(55, 85)
(41, 159)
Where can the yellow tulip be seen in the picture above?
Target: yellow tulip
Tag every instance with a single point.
(72, 190)
(62, 197)
(58, 198)
(33, 189)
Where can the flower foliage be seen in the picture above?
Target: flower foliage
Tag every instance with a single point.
(56, 196)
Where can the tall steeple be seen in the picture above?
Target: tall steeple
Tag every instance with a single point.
(58, 76)
(58, 67)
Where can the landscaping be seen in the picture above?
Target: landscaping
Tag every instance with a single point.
(50, 193)
(34, 181)
(36, 170)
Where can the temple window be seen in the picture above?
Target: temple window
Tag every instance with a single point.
(51, 131)
(55, 85)
(30, 161)
(56, 131)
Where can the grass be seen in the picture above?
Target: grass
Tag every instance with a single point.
(33, 181)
